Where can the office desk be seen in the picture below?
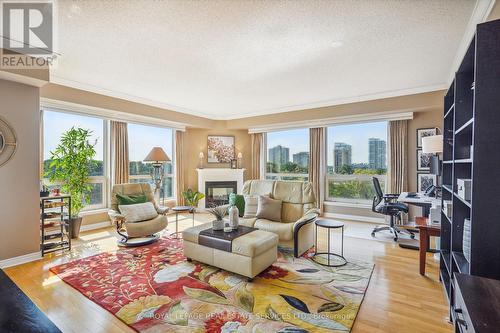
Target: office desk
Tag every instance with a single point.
(421, 200)
(425, 231)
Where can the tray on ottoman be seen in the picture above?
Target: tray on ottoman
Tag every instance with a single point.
(218, 239)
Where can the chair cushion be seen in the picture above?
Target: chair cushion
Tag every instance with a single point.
(251, 202)
(138, 212)
(131, 199)
(283, 230)
(269, 209)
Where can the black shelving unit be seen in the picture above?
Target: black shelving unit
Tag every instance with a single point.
(55, 212)
(471, 150)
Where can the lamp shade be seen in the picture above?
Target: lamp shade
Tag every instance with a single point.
(157, 154)
(432, 144)
(240, 155)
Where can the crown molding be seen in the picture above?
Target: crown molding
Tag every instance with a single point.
(350, 119)
(480, 14)
(68, 107)
(347, 100)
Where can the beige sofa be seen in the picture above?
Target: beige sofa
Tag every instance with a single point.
(298, 212)
(143, 229)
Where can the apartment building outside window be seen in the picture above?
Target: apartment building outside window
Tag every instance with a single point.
(355, 154)
(288, 155)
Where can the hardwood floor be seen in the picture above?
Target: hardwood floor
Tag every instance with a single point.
(398, 299)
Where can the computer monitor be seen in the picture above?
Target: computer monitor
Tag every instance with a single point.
(435, 167)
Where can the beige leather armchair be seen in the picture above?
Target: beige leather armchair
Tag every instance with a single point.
(137, 233)
(298, 212)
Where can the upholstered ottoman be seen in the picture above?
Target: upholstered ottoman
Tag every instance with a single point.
(249, 254)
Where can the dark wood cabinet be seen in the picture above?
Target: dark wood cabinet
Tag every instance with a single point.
(477, 304)
(471, 150)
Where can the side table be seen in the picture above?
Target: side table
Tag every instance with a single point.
(181, 209)
(330, 224)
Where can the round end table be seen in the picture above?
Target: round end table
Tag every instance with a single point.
(334, 259)
(181, 209)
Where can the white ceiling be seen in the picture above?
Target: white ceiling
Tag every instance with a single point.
(232, 59)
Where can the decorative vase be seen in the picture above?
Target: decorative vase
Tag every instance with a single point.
(227, 226)
(234, 217)
(217, 224)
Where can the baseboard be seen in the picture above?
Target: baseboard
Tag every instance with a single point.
(20, 259)
(359, 218)
(98, 225)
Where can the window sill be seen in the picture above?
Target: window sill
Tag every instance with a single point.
(348, 204)
(94, 211)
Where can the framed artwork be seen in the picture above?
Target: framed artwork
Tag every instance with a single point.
(423, 161)
(220, 149)
(423, 132)
(424, 180)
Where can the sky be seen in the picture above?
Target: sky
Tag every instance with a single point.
(356, 135)
(141, 138)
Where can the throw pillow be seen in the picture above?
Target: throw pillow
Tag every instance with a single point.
(239, 201)
(250, 206)
(269, 209)
(131, 199)
(138, 212)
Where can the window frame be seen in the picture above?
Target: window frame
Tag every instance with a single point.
(362, 203)
(104, 179)
(281, 175)
(166, 175)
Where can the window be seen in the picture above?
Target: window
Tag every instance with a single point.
(288, 155)
(355, 153)
(54, 125)
(141, 139)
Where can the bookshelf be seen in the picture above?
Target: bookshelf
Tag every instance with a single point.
(471, 141)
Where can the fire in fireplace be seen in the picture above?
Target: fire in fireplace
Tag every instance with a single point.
(217, 193)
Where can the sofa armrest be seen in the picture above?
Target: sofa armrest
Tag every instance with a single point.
(313, 211)
(162, 210)
(304, 220)
(115, 216)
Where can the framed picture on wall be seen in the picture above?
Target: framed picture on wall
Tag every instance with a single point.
(220, 149)
(424, 180)
(423, 132)
(423, 161)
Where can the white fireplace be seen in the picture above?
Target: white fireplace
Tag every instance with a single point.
(219, 176)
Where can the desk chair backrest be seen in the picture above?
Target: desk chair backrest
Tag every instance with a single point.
(379, 195)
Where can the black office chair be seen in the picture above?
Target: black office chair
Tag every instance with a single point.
(386, 204)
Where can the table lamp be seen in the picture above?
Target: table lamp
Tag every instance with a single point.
(157, 157)
(434, 145)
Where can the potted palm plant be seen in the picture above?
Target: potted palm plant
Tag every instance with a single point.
(70, 165)
(192, 197)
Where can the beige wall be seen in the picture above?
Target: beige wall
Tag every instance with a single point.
(416, 102)
(67, 94)
(196, 142)
(495, 12)
(19, 181)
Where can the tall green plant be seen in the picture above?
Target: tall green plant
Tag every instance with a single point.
(192, 197)
(71, 163)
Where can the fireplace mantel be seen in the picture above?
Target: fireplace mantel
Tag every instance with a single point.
(219, 174)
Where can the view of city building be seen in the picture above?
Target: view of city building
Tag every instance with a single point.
(279, 155)
(377, 153)
(301, 159)
(342, 153)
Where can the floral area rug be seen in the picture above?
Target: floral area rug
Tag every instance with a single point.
(154, 289)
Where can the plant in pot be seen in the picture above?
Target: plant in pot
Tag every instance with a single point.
(192, 197)
(218, 213)
(71, 163)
